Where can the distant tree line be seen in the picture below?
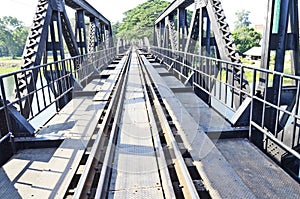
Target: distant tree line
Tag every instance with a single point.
(13, 36)
(139, 21)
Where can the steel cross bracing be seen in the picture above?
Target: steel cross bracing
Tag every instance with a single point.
(50, 31)
(196, 37)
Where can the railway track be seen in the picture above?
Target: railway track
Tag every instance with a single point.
(136, 150)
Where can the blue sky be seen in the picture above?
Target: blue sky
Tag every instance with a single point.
(113, 9)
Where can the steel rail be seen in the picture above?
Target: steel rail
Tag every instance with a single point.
(111, 112)
(115, 111)
(189, 189)
(161, 160)
(105, 171)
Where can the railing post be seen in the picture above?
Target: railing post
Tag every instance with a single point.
(252, 105)
(7, 118)
(8, 122)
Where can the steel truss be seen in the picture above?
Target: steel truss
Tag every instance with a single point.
(51, 30)
(206, 33)
(271, 109)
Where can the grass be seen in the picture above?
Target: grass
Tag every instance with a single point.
(8, 65)
(256, 63)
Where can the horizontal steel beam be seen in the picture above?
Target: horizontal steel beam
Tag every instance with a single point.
(89, 10)
(173, 8)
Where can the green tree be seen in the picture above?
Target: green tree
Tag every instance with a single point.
(246, 38)
(242, 19)
(139, 21)
(115, 28)
(13, 36)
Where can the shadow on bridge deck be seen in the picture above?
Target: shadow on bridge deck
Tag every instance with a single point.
(47, 172)
(232, 164)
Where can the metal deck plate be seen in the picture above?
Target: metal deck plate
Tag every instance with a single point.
(76, 119)
(137, 193)
(137, 135)
(262, 175)
(218, 176)
(173, 82)
(109, 72)
(29, 175)
(94, 85)
(18, 176)
(208, 119)
(162, 70)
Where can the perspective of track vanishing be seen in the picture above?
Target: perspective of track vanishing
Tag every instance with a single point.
(179, 118)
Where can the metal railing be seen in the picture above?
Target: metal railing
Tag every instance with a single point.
(52, 85)
(212, 76)
(274, 121)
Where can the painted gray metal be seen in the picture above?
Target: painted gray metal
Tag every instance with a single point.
(220, 44)
(51, 18)
(172, 8)
(218, 176)
(281, 35)
(265, 178)
(80, 32)
(89, 10)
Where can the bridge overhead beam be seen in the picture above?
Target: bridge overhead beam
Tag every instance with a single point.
(172, 8)
(207, 12)
(89, 10)
(38, 34)
(182, 26)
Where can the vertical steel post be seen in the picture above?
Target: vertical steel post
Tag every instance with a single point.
(182, 25)
(80, 31)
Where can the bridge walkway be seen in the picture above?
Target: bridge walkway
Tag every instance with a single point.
(229, 168)
(232, 163)
(47, 172)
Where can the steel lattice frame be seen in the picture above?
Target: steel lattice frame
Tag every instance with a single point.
(207, 34)
(52, 29)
